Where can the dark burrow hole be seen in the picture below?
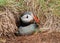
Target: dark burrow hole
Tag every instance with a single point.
(18, 24)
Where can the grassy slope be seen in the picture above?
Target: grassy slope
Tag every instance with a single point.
(54, 5)
(38, 7)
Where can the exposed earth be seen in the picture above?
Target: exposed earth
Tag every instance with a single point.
(36, 38)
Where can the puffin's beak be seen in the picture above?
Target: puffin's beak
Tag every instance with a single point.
(36, 19)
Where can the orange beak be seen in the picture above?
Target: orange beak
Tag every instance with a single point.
(36, 19)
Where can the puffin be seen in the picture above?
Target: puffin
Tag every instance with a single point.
(28, 24)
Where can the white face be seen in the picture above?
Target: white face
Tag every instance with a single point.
(27, 18)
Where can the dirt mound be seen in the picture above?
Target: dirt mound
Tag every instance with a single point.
(7, 22)
(36, 38)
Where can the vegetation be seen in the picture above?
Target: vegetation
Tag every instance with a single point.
(44, 9)
(53, 5)
(48, 11)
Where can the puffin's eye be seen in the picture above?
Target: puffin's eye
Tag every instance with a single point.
(26, 16)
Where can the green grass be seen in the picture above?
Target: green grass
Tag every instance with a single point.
(2, 2)
(54, 5)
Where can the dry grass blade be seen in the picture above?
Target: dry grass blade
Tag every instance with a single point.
(2, 40)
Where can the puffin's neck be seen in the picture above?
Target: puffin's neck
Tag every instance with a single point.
(24, 24)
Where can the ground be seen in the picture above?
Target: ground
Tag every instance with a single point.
(36, 38)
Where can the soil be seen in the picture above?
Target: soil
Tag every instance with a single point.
(53, 37)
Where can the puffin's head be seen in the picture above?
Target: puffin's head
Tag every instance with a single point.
(28, 17)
